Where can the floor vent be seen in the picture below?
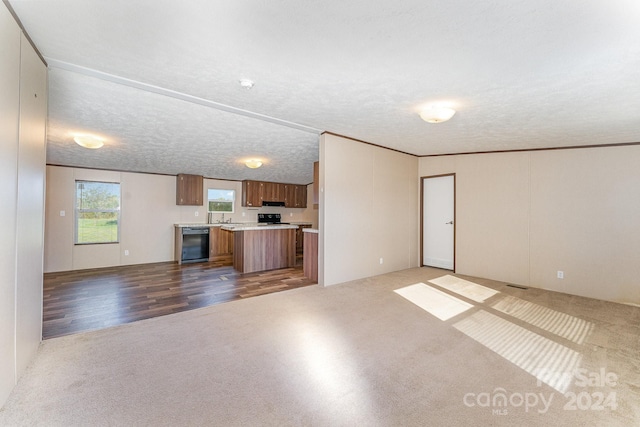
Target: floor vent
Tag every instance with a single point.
(519, 287)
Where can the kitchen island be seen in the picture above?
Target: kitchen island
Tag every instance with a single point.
(263, 247)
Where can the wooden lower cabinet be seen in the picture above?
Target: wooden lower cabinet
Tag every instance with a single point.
(310, 257)
(178, 245)
(220, 245)
(300, 237)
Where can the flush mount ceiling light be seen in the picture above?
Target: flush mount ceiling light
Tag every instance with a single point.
(246, 83)
(253, 163)
(437, 114)
(89, 141)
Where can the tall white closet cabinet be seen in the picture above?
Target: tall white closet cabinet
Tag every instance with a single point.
(23, 116)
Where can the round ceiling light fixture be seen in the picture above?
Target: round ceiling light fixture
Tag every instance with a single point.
(253, 163)
(437, 114)
(246, 83)
(89, 141)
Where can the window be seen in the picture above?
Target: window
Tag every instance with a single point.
(221, 200)
(97, 212)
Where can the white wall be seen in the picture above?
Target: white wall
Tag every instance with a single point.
(585, 216)
(368, 210)
(9, 116)
(148, 213)
(523, 216)
(30, 204)
(23, 102)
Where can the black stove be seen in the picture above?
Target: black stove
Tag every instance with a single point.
(270, 218)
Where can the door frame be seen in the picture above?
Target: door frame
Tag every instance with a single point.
(455, 223)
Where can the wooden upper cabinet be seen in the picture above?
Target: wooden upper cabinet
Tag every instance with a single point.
(301, 196)
(274, 192)
(279, 192)
(295, 196)
(316, 184)
(289, 195)
(189, 190)
(267, 191)
(255, 192)
(252, 193)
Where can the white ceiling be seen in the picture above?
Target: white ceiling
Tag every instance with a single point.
(159, 78)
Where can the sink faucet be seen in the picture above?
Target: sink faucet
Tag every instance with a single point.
(222, 217)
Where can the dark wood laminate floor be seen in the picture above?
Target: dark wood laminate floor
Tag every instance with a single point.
(85, 300)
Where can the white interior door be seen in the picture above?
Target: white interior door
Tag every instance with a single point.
(438, 210)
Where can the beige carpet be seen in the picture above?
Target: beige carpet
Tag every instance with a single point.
(352, 354)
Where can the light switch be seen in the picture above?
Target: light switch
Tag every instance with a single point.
(62, 213)
(197, 213)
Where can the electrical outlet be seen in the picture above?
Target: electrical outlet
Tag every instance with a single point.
(381, 260)
(560, 274)
(62, 213)
(244, 214)
(126, 252)
(197, 213)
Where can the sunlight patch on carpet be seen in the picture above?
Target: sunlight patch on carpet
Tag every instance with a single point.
(467, 289)
(562, 324)
(435, 302)
(548, 361)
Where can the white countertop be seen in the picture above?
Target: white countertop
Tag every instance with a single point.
(215, 224)
(243, 225)
(310, 230)
(201, 225)
(247, 227)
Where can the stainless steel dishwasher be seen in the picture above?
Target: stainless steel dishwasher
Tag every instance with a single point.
(195, 244)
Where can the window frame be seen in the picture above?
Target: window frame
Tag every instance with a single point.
(233, 200)
(77, 211)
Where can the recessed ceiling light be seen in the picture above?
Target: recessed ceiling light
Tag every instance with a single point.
(253, 163)
(246, 83)
(89, 141)
(437, 114)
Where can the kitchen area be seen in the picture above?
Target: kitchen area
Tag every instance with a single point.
(277, 238)
(184, 242)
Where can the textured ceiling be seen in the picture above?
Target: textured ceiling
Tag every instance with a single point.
(159, 78)
(148, 132)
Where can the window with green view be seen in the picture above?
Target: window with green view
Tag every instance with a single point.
(221, 201)
(97, 212)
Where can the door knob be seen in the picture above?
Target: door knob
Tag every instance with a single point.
(450, 222)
